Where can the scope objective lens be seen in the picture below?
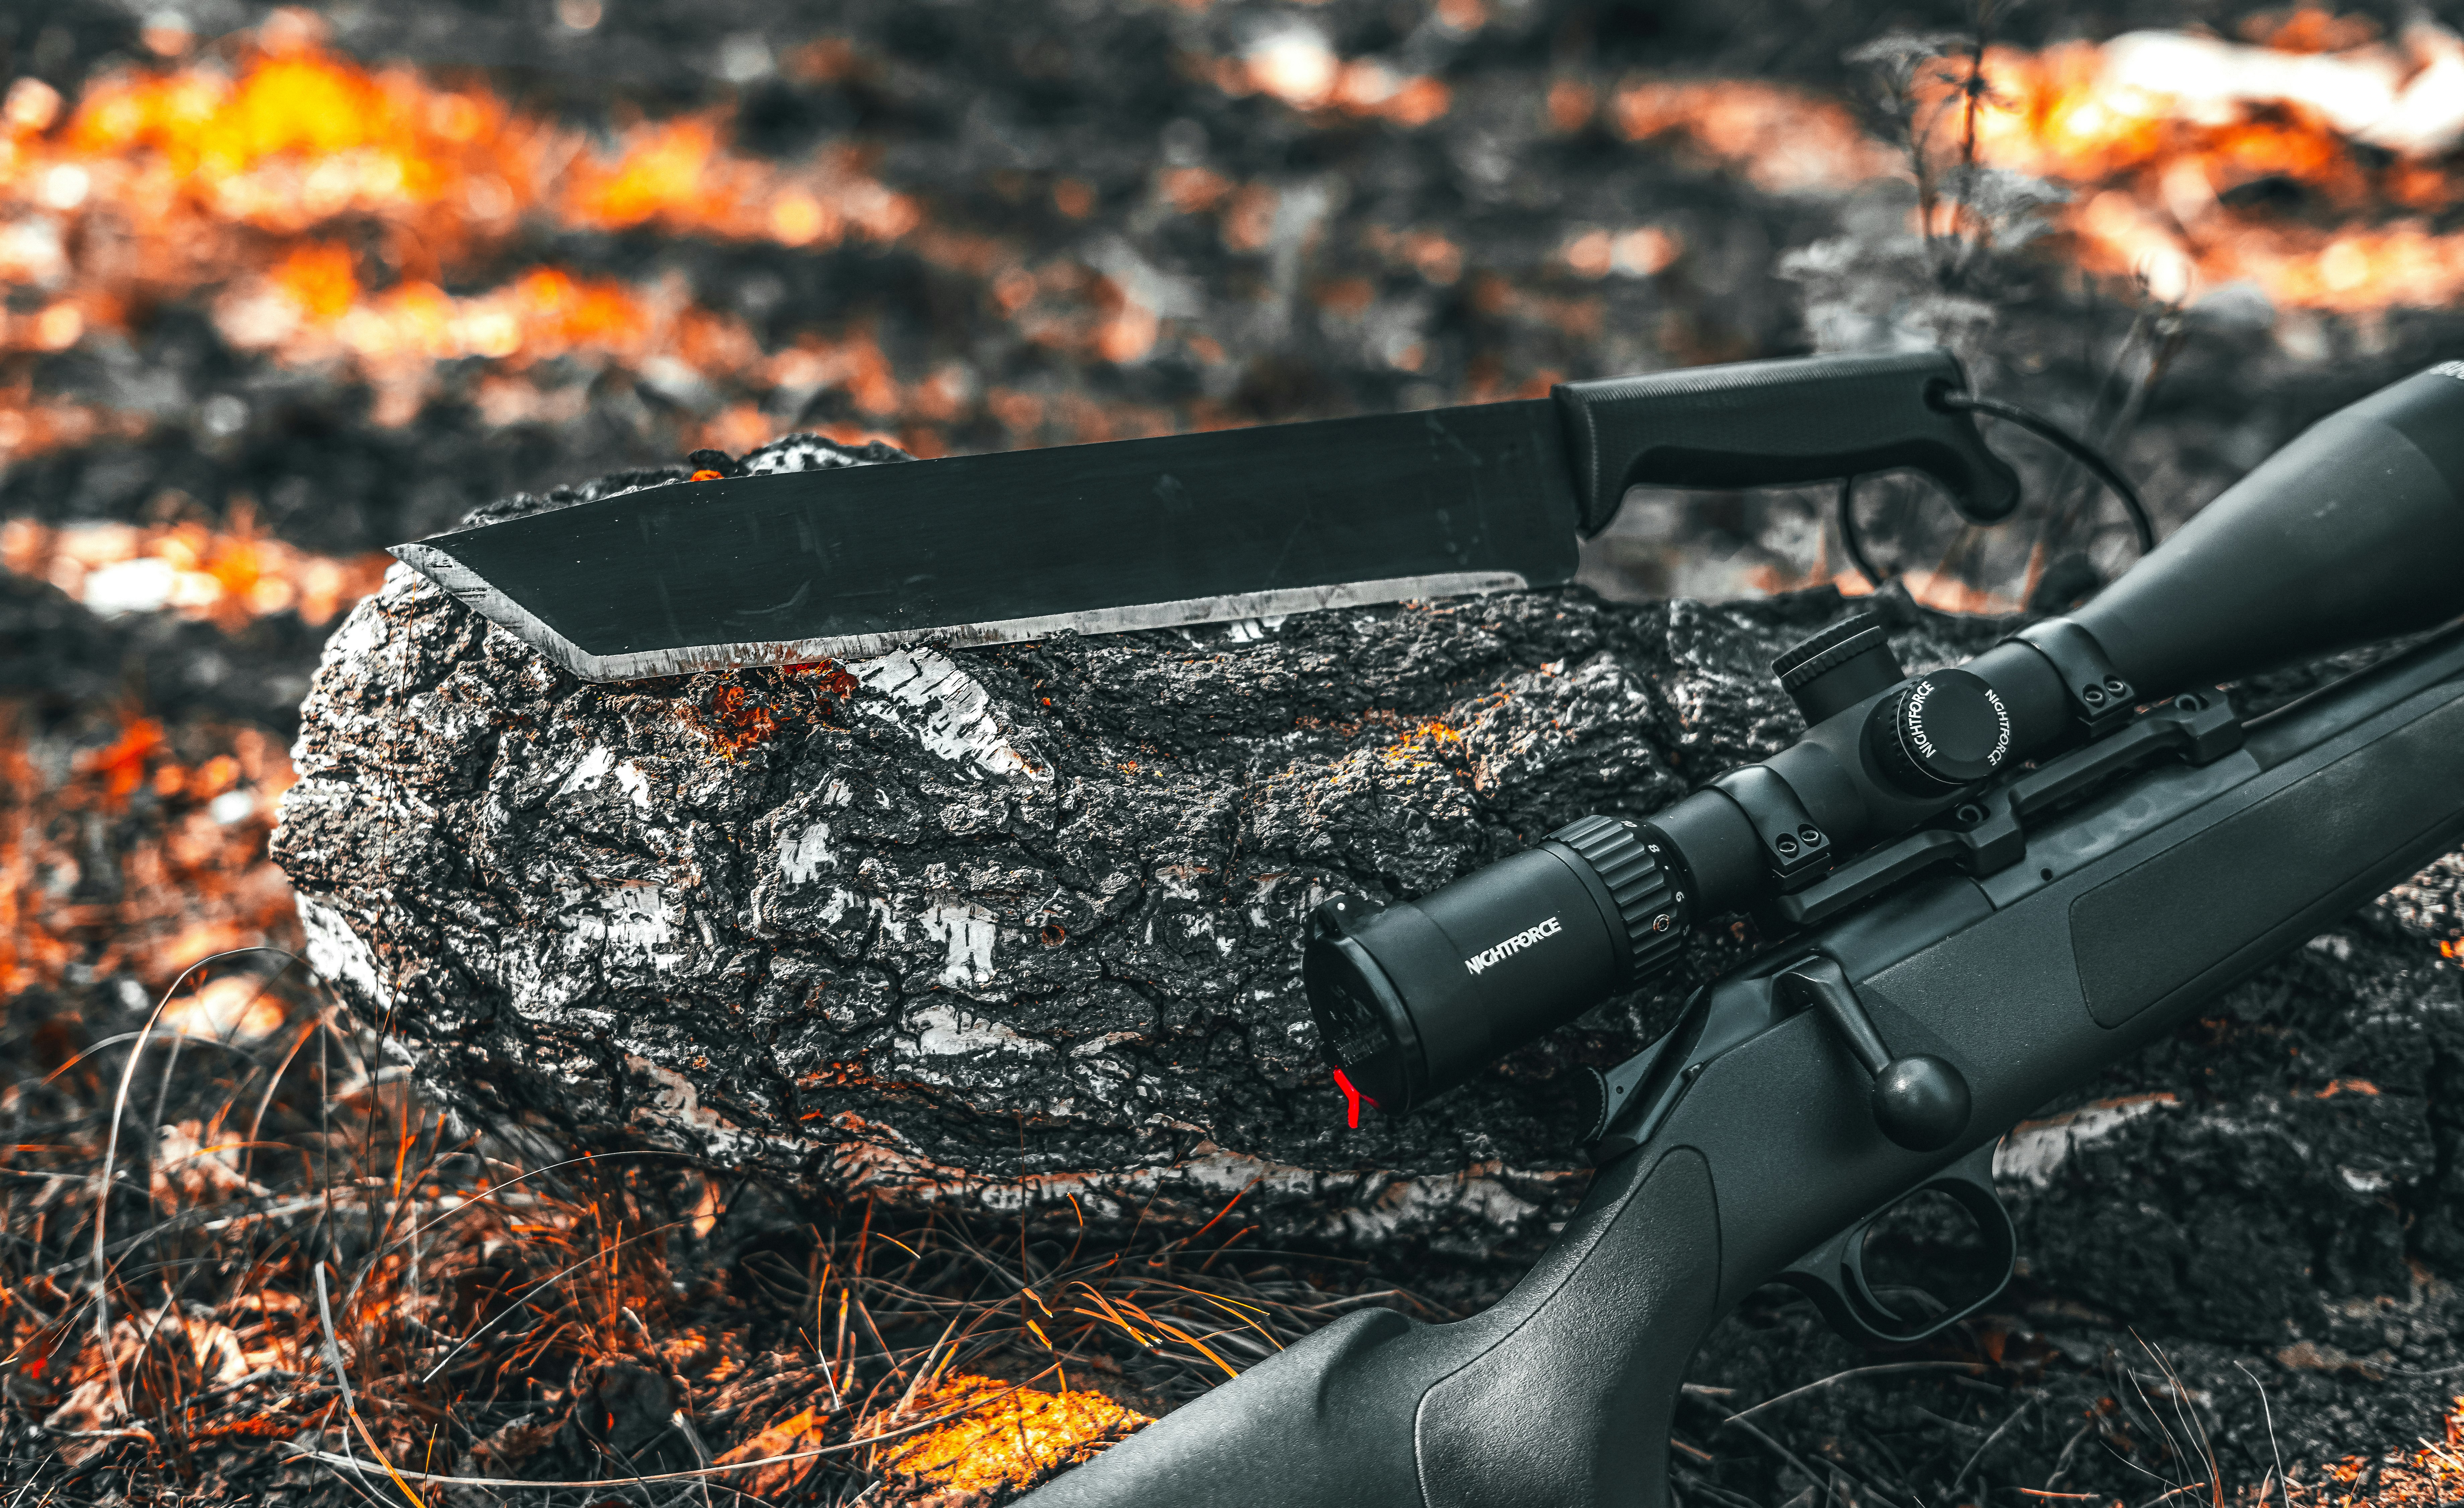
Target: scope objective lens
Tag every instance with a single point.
(1414, 998)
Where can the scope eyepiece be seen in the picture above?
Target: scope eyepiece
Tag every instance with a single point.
(1412, 999)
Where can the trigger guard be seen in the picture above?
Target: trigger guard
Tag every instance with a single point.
(1832, 1274)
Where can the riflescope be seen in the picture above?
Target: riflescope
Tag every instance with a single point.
(2353, 532)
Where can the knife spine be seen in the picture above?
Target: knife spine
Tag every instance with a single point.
(474, 591)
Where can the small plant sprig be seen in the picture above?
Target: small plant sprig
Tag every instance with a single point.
(1944, 270)
(1932, 92)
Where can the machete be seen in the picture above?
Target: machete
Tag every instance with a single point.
(855, 560)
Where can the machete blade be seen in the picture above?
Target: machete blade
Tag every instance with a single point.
(855, 560)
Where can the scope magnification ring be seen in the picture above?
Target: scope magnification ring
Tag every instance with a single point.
(1643, 890)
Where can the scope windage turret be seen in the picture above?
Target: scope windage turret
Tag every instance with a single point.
(2353, 532)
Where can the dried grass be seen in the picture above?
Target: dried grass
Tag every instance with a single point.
(306, 1283)
(309, 1286)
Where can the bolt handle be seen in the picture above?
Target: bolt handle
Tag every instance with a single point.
(1920, 1102)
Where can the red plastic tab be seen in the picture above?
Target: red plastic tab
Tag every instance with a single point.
(1352, 1101)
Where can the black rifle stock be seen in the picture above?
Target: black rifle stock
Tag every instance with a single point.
(2161, 864)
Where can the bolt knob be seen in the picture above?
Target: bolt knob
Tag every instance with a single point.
(1947, 730)
(1921, 1102)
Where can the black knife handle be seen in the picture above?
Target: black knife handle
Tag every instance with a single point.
(1763, 424)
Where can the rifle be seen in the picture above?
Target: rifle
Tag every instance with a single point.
(1987, 883)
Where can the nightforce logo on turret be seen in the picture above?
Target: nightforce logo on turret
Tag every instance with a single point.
(1513, 945)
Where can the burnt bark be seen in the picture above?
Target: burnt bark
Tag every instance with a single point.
(1021, 922)
(980, 915)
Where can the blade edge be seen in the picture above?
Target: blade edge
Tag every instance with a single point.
(475, 592)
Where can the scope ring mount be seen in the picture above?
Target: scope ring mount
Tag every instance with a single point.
(1796, 850)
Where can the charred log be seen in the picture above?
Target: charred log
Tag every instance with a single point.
(979, 917)
(1025, 918)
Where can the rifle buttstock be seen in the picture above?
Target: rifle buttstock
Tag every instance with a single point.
(1561, 1393)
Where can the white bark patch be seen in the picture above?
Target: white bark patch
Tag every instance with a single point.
(957, 716)
(634, 783)
(2034, 1149)
(1369, 1209)
(633, 916)
(969, 931)
(674, 1104)
(803, 854)
(590, 772)
(337, 952)
(1435, 1204)
(360, 633)
(869, 908)
(941, 1031)
(1181, 881)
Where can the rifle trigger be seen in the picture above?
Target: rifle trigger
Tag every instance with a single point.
(1832, 1274)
